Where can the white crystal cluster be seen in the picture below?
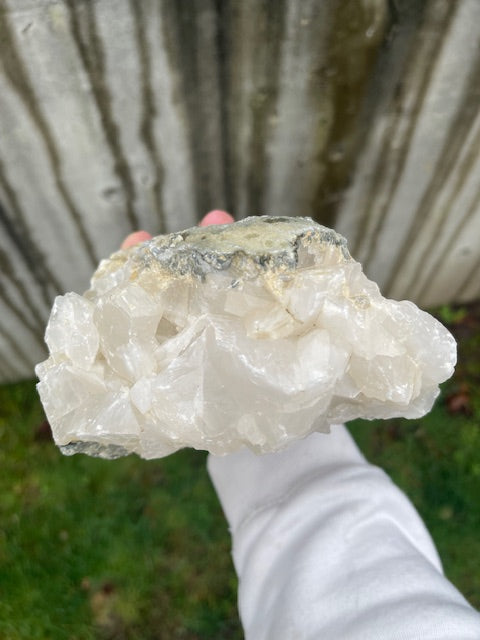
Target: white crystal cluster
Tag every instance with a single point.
(254, 334)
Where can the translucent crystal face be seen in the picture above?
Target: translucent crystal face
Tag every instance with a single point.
(252, 334)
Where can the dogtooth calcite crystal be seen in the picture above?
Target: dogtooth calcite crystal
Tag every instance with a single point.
(251, 334)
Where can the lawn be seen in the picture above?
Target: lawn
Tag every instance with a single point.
(99, 549)
(130, 549)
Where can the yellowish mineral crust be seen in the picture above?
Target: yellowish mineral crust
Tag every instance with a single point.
(252, 334)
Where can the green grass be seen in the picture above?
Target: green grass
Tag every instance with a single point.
(98, 549)
(130, 549)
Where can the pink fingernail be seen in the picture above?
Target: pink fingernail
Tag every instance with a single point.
(135, 238)
(217, 216)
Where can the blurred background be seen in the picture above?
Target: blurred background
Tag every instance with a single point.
(117, 115)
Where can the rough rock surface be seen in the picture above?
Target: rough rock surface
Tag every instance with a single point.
(254, 334)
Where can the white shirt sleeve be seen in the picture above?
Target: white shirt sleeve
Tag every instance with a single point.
(326, 547)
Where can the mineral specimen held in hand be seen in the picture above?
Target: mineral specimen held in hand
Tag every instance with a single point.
(251, 334)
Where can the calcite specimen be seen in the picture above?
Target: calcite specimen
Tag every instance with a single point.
(251, 334)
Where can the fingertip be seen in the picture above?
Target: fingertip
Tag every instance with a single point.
(135, 238)
(217, 216)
